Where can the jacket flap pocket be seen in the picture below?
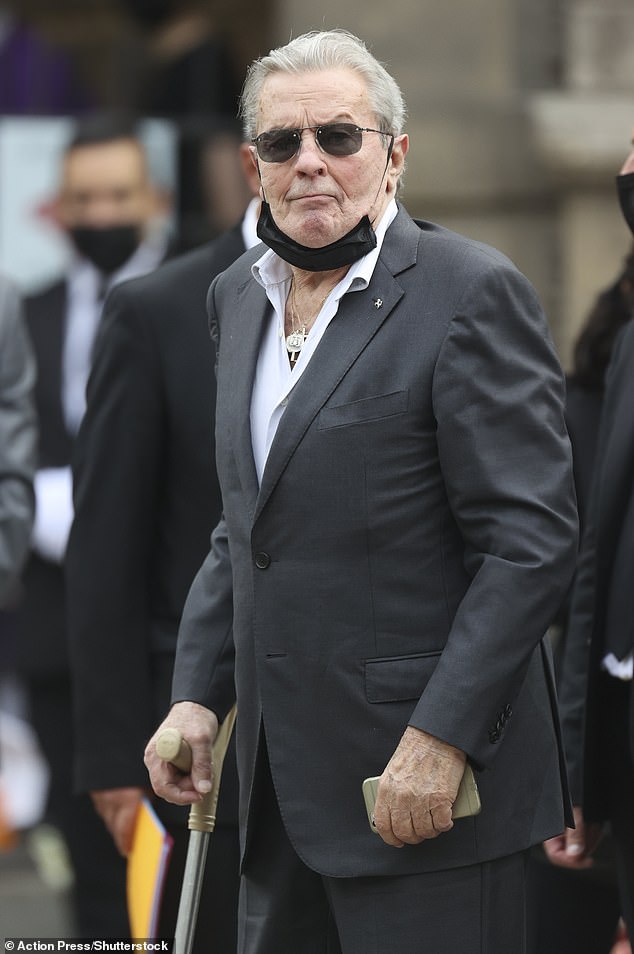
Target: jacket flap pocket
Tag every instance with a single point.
(398, 677)
(367, 409)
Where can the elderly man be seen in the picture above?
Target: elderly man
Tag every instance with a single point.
(597, 686)
(399, 528)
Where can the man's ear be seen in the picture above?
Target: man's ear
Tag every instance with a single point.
(250, 167)
(396, 160)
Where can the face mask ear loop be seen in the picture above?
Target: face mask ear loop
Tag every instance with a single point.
(387, 163)
(257, 166)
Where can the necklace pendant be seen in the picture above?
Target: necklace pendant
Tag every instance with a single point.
(295, 343)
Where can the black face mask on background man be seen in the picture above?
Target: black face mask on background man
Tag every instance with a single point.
(625, 189)
(108, 248)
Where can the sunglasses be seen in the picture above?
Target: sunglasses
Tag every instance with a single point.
(336, 139)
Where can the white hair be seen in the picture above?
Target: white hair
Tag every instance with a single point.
(331, 49)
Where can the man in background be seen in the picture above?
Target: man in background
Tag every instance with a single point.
(596, 688)
(18, 449)
(146, 501)
(107, 207)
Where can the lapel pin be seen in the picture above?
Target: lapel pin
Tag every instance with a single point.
(378, 303)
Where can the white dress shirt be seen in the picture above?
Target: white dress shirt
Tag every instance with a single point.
(619, 668)
(250, 224)
(274, 378)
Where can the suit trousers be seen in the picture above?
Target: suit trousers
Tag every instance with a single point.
(286, 906)
(99, 895)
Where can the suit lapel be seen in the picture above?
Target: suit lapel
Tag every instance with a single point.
(358, 319)
(245, 336)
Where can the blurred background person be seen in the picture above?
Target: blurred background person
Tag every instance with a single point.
(596, 683)
(18, 440)
(211, 192)
(18, 450)
(146, 500)
(107, 207)
(579, 910)
(613, 309)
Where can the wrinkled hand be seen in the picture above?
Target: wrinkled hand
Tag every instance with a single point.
(117, 808)
(573, 848)
(417, 789)
(199, 727)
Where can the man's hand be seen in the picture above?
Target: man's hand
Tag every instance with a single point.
(199, 727)
(573, 849)
(118, 808)
(417, 789)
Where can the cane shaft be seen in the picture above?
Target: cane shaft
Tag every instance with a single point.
(171, 747)
(190, 892)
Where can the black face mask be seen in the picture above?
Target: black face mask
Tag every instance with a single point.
(625, 189)
(108, 248)
(350, 248)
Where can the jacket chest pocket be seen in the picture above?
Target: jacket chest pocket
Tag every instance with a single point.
(365, 410)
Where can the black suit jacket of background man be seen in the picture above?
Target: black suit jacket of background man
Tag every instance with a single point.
(603, 595)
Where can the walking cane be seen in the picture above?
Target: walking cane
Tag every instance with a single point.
(171, 747)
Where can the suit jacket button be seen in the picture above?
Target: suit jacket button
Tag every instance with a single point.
(262, 560)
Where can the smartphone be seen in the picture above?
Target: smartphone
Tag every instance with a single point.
(467, 800)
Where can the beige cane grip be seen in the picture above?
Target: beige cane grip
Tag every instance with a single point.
(172, 747)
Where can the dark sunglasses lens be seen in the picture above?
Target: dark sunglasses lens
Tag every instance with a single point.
(278, 146)
(340, 139)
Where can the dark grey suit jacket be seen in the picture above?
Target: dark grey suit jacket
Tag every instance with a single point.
(412, 537)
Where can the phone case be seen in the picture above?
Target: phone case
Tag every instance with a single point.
(467, 801)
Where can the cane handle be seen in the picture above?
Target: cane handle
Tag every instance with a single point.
(172, 747)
